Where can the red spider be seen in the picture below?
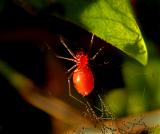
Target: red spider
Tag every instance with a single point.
(83, 78)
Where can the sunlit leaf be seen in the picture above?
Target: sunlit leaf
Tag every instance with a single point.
(111, 20)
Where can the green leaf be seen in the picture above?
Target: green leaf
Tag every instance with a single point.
(110, 20)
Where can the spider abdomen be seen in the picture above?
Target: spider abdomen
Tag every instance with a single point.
(83, 80)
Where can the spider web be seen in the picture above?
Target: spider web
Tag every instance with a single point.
(99, 125)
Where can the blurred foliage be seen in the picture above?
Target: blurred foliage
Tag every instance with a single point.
(155, 131)
(1, 5)
(39, 4)
(16, 79)
(118, 106)
(142, 87)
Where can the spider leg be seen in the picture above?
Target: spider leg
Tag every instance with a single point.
(91, 43)
(96, 54)
(92, 39)
(73, 67)
(69, 50)
(69, 87)
(65, 58)
(69, 59)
